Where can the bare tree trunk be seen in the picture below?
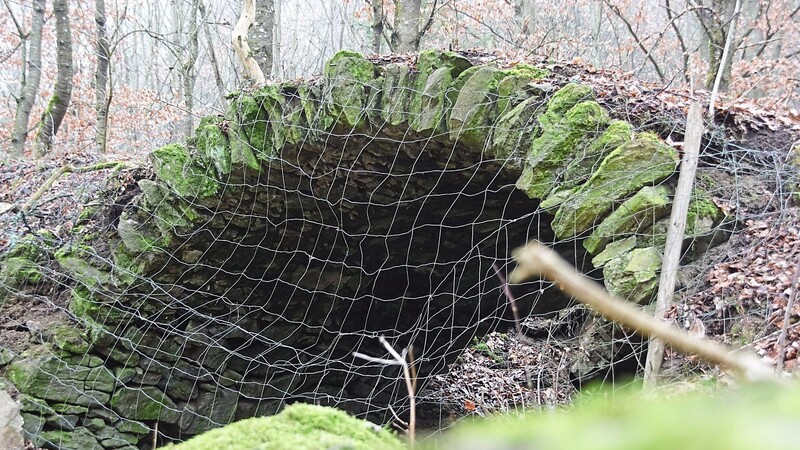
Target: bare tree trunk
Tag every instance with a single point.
(212, 54)
(56, 108)
(188, 72)
(31, 75)
(102, 99)
(241, 46)
(376, 26)
(259, 36)
(406, 35)
(716, 24)
(277, 71)
(525, 15)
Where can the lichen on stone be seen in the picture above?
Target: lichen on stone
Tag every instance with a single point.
(472, 114)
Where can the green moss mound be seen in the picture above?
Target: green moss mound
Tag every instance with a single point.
(298, 427)
(759, 417)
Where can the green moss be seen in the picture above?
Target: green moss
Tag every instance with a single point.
(483, 348)
(175, 167)
(147, 403)
(563, 100)
(702, 213)
(430, 60)
(329, 69)
(555, 149)
(587, 161)
(212, 144)
(396, 94)
(348, 80)
(624, 171)
(634, 215)
(16, 272)
(70, 338)
(298, 427)
(527, 71)
(633, 275)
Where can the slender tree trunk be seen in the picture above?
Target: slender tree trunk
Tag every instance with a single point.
(717, 25)
(212, 54)
(31, 75)
(102, 99)
(377, 25)
(62, 91)
(188, 72)
(260, 35)
(241, 46)
(276, 42)
(406, 33)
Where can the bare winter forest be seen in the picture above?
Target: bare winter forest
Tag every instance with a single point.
(123, 75)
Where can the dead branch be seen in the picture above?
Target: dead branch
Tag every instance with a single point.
(69, 168)
(536, 259)
(672, 248)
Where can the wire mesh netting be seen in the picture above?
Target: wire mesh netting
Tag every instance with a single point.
(240, 272)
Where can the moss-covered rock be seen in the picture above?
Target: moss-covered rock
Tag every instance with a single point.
(146, 403)
(587, 160)
(70, 339)
(42, 374)
(212, 144)
(396, 94)
(555, 149)
(349, 78)
(633, 275)
(563, 100)
(298, 427)
(624, 171)
(183, 173)
(472, 114)
(77, 439)
(430, 115)
(514, 87)
(634, 215)
(17, 271)
(514, 131)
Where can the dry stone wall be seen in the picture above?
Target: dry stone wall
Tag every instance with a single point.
(316, 216)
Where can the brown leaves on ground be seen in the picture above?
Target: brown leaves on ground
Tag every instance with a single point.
(748, 293)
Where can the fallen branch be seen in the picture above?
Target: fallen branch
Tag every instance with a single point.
(537, 260)
(69, 168)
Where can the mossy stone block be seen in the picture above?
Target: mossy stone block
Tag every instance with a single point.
(634, 215)
(555, 149)
(623, 172)
(396, 94)
(147, 403)
(472, 113)
(588, 159)
(430, 115)
(177, 169)
(77, 439)
(514, 130)
(212, 144)
(349, 77)
(634, 275)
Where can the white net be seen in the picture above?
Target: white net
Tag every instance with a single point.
(241, 272)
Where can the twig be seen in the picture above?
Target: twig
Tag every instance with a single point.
(537, 260)
(398, 360)
(788, 314)
(513, 301)
(672, 248)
